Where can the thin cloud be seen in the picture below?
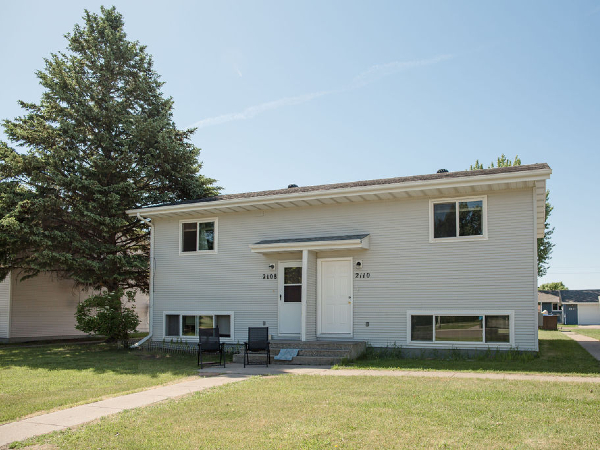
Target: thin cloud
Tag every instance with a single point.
(237, 70)
(380, 71)
(365, 78)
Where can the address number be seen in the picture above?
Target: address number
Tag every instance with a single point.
(362, 275)
(269, 276)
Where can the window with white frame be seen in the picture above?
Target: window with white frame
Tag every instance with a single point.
(458, 218)
(186, 325)
(486, 328)
(198, 236)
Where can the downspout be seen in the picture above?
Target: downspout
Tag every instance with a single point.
(151, 283)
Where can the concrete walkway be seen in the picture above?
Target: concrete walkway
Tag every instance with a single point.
(217, 376)
(238, 369)
(60, 420)
(590, 344)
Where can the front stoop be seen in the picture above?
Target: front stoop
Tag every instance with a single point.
(311, 353)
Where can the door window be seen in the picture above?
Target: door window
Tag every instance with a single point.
(292, 284)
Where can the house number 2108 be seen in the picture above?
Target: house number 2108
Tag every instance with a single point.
(362, 275)
(269, 276)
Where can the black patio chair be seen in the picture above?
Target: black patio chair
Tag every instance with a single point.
(258, 344)
(209, 342)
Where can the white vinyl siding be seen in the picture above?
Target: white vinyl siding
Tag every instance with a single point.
(407, 272)
(311, 297)
(5, 307)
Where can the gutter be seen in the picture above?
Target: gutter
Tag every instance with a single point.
(151, 283)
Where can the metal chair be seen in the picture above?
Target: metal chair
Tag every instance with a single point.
(209, 342)
(258, 344)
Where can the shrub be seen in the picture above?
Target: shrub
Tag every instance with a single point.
(107, 314)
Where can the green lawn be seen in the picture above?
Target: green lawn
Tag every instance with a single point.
(593, 333)
(355, 412)
(558, 355)
(42, 378)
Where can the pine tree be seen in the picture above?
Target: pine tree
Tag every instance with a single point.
(100, 141)
(544, 245)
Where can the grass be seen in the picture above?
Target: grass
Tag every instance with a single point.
(558, 355)
(590, 332)
(34, 379)
(318, 412)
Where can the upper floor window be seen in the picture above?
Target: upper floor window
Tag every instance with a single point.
(458, 218)
(198, 236)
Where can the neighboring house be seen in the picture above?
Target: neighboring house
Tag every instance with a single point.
(578, 307)
(44, 307)
(447, 260)
(549, 301)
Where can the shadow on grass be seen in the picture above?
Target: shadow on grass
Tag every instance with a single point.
(557, 354)
(99, 358)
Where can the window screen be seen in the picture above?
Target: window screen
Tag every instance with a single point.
(497, 329)
(172, 325)
(189, 237)
(444, 220)
(421, 328)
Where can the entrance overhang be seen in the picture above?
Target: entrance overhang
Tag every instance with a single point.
(321, 243)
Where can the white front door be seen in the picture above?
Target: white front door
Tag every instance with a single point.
(335, 294)
(290, 297)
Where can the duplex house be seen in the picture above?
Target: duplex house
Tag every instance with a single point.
(445, 260)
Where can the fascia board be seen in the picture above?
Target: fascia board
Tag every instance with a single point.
(317, 245)
(481, 180)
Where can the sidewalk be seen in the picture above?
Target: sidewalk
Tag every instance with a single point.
(238, 369)
(60, 420)
(590, 344)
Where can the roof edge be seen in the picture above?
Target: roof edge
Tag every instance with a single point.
(530, 172)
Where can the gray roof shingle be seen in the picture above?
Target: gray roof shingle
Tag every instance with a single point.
(572, 295)
(382, 181)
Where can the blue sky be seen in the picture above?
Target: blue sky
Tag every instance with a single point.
(322, 92)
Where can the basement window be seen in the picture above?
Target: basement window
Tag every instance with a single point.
(186, 325)
(460, 328)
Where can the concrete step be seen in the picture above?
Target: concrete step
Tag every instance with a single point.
(331, 345)
(319, 352)
(311, 352)
(298, 360)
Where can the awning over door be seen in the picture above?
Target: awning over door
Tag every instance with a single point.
(320, 243)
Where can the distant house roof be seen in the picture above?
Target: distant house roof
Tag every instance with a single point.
(570, 296)
(548, 296)
(583, 296)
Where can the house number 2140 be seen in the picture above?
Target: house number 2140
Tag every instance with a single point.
(362, 275)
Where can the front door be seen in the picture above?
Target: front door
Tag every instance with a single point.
(335, 294)
(570, 312)
(290, 297)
